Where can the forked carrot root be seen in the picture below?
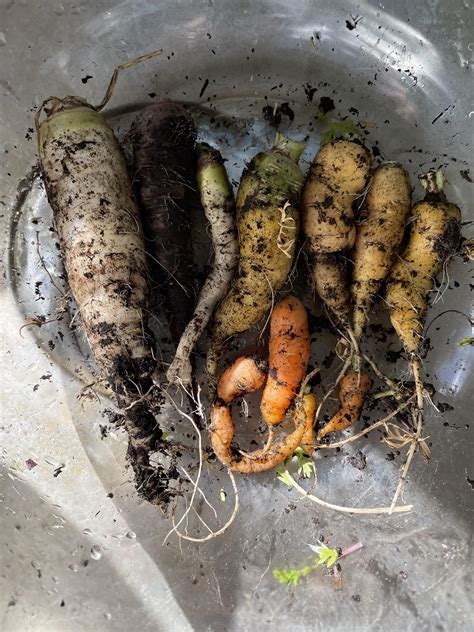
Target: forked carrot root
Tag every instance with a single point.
(222, 431)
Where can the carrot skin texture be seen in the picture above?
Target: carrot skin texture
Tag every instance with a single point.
(96, 219)
(289, 351)
(244, 375)
(222, 432)
(329, 276)
(338, 174)
(163, 137)
(378, 237)
(353, 389)
(307, 440)
(434, 237)
(266, 249)
(98, 226)
(217, 200)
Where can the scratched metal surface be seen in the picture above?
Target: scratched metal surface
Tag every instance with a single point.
(74, 558)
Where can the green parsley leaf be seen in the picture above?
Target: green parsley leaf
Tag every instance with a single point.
(284, 476)
(292, 577)
(327, 557)
(305, 463)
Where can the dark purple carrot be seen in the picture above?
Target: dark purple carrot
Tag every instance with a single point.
(163, 137)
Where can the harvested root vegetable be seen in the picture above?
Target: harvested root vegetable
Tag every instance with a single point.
(244, 375)
(329, 275)
(378, 237)
(217, 200)
(353, 389)
(435, 235)
(98, 226)
(163, 137)
(289, 351)
(222, 432)
(338, 174)
(307, 440)
(268, 222)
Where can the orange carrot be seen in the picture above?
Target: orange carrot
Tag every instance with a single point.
(222, 431)
(245, 375)
(307, 440)
(353, 389)
(289, 351)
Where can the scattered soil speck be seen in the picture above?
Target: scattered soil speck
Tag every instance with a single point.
(466, 175)
(104, 431)
(326, 104)
(204, 88)
(444, 407)
(309, 91)
(353, 22)
(357, 460)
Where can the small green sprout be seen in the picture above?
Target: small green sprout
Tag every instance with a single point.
(284, 476)
(305, 463)
(345, 128)
(468, 340)
(326, 557)
(292, 577)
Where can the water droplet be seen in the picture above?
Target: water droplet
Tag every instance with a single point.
(96, 553)
(107, 615)
(87, 531)
(75, 10)
(59, 9)
(3, 40)
(55, 579)
(131, 534)
(73, 567)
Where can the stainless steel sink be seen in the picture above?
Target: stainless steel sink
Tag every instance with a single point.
(79, 550)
